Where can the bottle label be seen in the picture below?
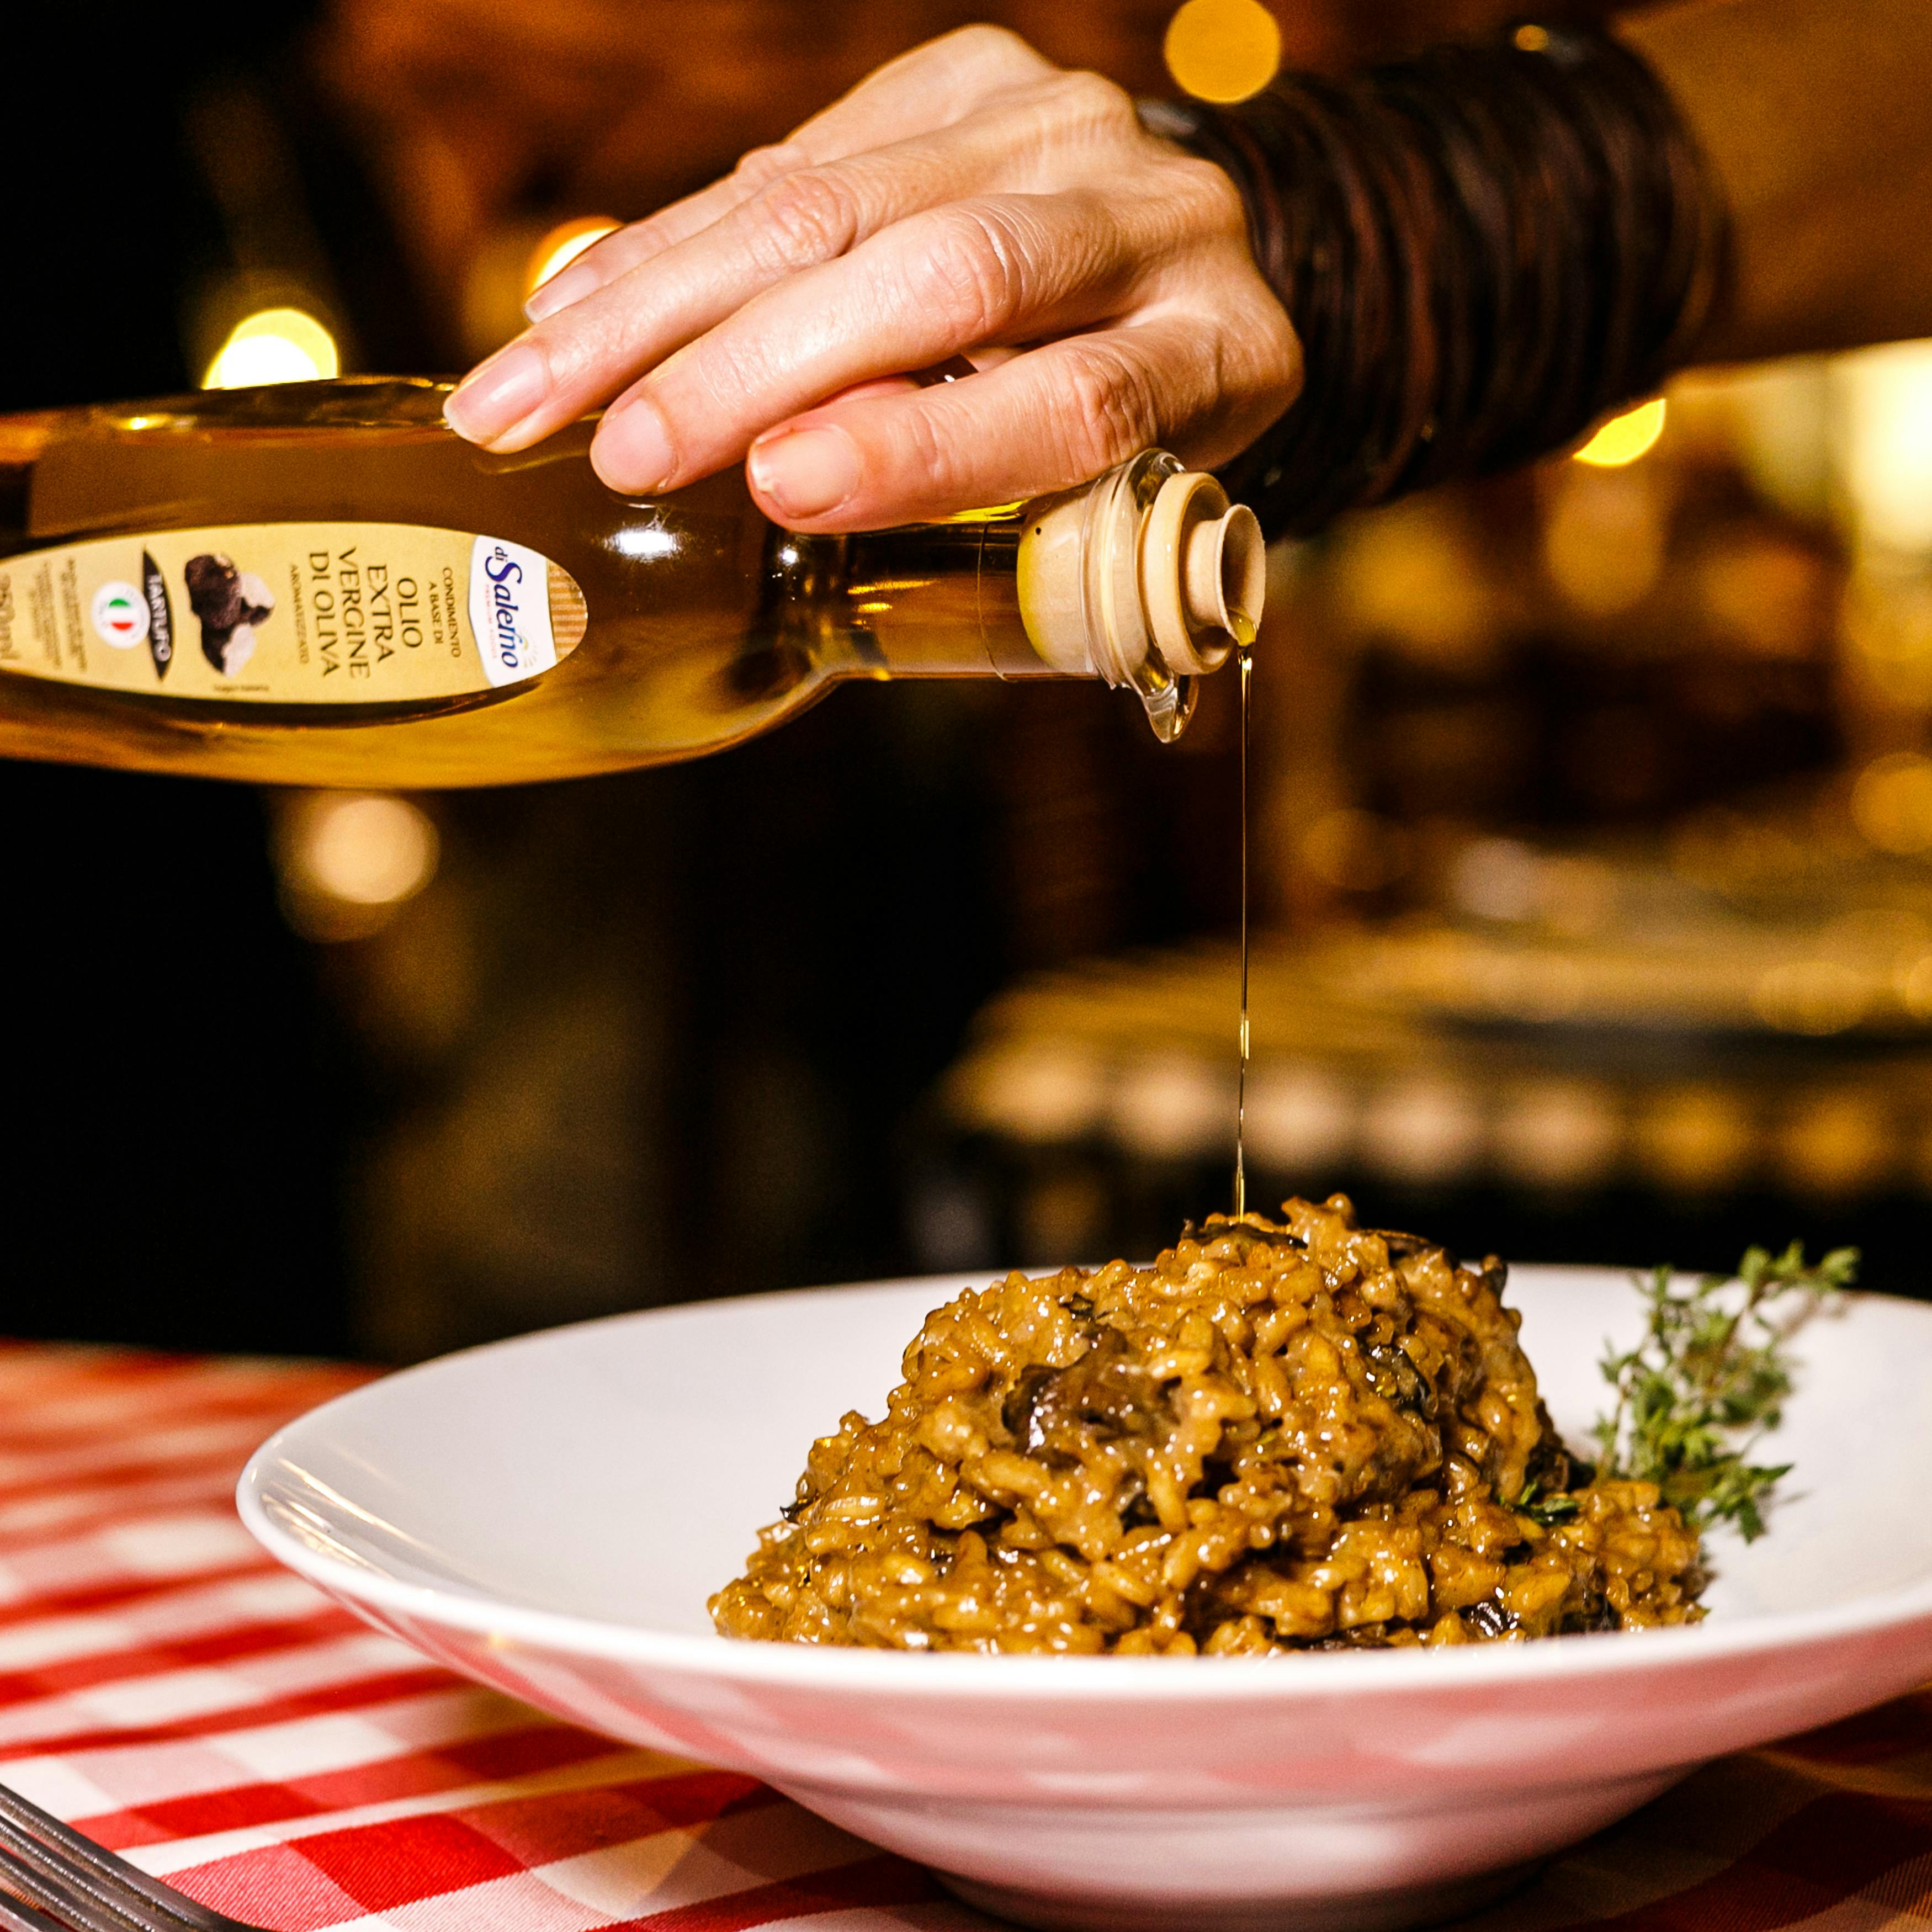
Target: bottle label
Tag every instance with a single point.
(289, 614)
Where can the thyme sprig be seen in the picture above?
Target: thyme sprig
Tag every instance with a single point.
(1548, 1511)
(1709, 1378)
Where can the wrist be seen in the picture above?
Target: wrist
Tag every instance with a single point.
(1482, 250)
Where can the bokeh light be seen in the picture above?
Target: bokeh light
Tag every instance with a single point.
(1605, 538)
(1223, 49)
(275, 345)
(563, 244)
(348, 862)
(1891, 803)
(1885, 397)
(371, 849)
(1817, 997)
(1696, 1139)
(1626, 437)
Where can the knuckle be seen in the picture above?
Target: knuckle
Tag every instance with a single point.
(708, 384)
(570, 360)
(807, 216)
(1212, 201)
(994, 51)
(634, 240)
(1258, 350)
(761, 167)
(1109, 408)
(1092, 104)
(1281, 345)
(974, 272)
(924, 459)
(1250, 372)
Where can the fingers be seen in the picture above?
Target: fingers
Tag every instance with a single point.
(1000, 269)
(632, 246)
(933, 84)
(969, 198)
(932, 87)
(1047, 420)
(578, 359)
(574, 360)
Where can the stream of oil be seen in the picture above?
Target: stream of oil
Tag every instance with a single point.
(1246, 660)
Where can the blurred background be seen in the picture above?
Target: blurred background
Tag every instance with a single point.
(1592, 805)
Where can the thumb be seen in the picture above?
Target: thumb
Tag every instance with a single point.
(1058, 416)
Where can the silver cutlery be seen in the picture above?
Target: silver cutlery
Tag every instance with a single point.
(53, 1880)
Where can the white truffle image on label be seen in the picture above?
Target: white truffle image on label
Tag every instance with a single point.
(230, 604)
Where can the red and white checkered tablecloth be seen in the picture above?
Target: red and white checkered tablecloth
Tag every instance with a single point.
(166, 1688)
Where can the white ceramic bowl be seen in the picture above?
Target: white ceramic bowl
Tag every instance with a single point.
(549, 1515)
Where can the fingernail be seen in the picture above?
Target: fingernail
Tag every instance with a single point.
(806, 472)
(633, 450)
(497, 396)
(565, 286)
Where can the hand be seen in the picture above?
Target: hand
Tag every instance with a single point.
(970, 199)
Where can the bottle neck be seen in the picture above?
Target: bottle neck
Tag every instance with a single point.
(1146, 578)
(932, 600)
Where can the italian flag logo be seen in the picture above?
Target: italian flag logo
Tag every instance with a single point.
(121, 616)
(117, 618)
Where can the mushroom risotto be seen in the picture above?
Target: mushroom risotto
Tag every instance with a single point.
(1300, 1434)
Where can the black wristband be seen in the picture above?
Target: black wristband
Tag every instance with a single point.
(1482, 250)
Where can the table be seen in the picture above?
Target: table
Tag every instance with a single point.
(166, 1688)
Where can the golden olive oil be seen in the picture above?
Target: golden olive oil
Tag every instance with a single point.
(319, 583)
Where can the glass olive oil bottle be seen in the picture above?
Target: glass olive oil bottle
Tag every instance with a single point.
(318, 583)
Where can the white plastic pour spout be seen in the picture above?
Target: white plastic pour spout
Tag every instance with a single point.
(1148, 578)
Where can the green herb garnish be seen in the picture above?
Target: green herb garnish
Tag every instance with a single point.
(1548, 1511)
(1709, 1378)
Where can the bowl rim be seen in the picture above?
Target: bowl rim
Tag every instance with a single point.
(952, 1676)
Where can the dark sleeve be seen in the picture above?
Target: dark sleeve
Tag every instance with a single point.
(1482, 250)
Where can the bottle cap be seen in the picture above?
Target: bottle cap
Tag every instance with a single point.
(1148, 576)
